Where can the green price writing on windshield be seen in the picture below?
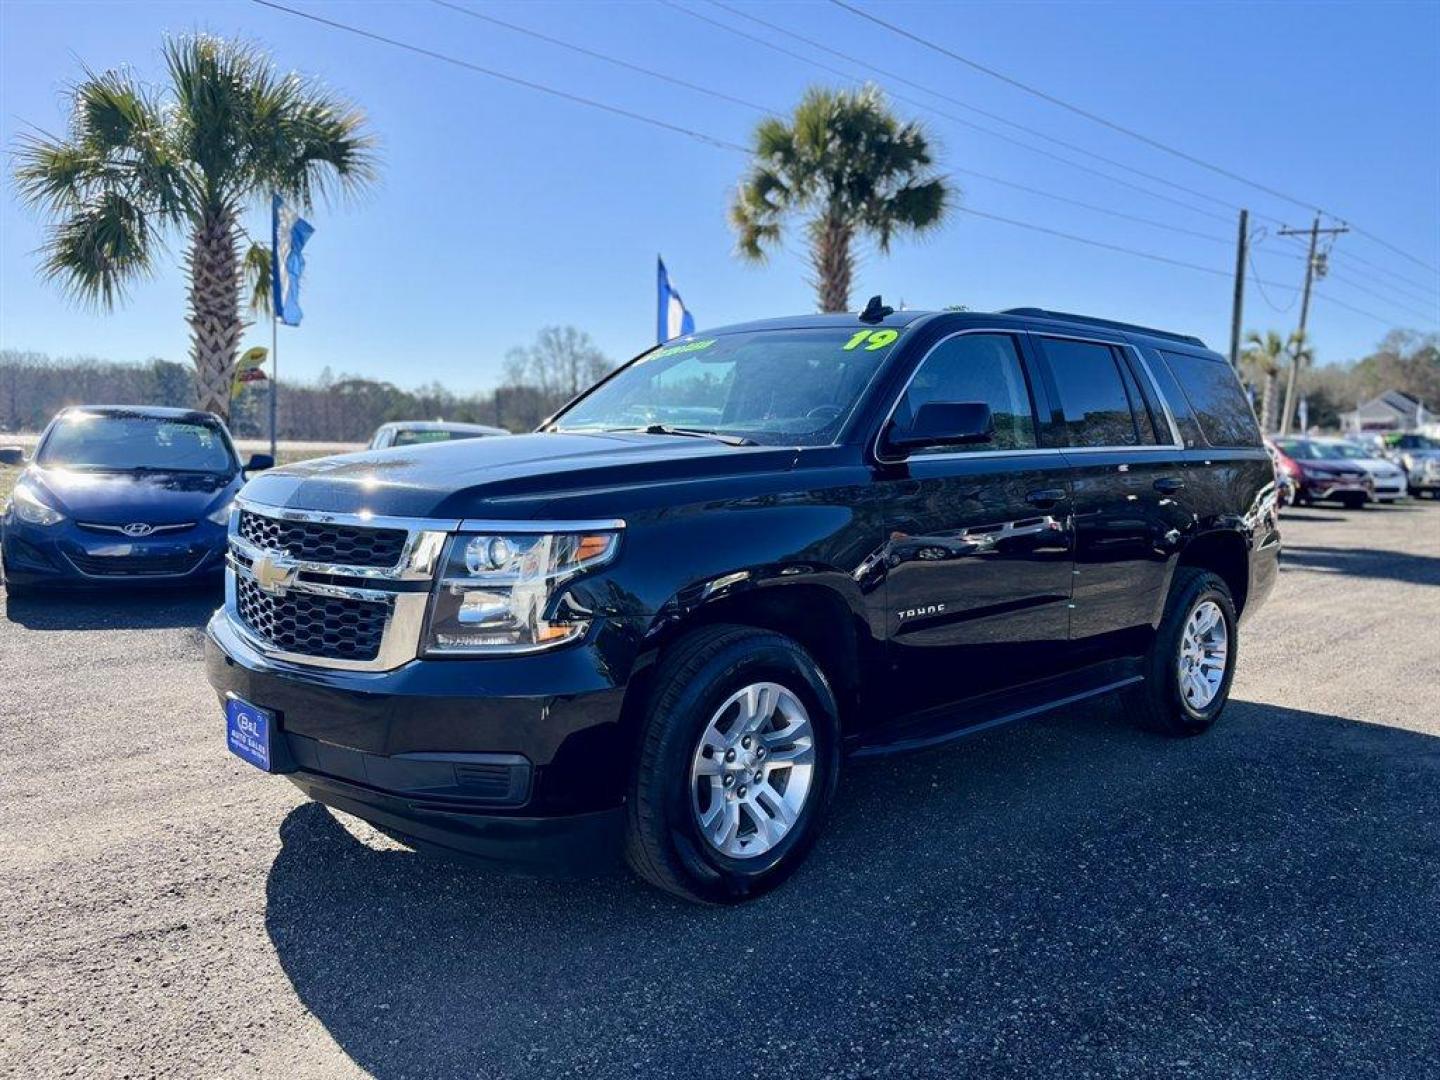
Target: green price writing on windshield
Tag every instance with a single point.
(871, 339)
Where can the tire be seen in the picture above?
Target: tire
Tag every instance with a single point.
(666, 844)
(1165, 708)
(1353, 502)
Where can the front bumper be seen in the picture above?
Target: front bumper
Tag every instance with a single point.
(1324, 489)
(521, 761)
(67, 555)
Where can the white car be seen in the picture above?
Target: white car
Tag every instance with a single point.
(413, 432)
(1390, 479)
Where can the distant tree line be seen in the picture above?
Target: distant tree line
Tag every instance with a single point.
(538, 379)
(1405, 360)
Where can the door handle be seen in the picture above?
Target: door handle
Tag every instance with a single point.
(1045, 497)
(1168, 485)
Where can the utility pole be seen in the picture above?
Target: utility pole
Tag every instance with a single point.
(1313, 268)
(1237, 310)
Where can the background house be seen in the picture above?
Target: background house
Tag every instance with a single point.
(1390, 411)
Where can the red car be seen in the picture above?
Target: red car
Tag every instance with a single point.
(1320, 474)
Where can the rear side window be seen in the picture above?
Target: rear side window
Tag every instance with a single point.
(1093, 395)
(1214, 393)
(975, 367)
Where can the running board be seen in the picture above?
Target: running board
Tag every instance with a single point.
(939, 726)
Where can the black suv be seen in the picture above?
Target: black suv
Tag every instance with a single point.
(660, 623)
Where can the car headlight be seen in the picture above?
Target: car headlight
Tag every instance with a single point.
(221, 514)
(31, 508)
(504, 592)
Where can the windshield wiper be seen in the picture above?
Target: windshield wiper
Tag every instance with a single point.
(698, 433)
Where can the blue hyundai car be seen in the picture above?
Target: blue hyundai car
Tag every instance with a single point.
(123, 494)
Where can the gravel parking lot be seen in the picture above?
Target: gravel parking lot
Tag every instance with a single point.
(1066, 897)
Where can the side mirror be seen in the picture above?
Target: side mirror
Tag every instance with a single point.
(12, 455)
(944, 423)
(259, 462)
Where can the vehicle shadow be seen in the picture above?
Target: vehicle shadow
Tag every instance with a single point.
(1365, 562)
(1063, 897)
(115, 609)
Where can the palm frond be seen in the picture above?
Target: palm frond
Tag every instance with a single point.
(256, 280)
(97, 250)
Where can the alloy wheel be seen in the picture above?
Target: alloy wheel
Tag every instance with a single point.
(752, 770)
(1204, 653)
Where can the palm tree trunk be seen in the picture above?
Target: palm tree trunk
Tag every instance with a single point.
(1268, 402)
(215, 324)
(833, 263)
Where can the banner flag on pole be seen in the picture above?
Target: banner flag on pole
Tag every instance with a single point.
(673, 319)
(288, 233)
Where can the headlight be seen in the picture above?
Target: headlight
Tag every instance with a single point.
(502, 592)
(29, 507)
(221, 514)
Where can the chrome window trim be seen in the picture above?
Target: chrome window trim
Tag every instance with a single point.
(952, 455)
(1176, 443)
(895, 404)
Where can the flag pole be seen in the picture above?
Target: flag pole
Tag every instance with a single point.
(274, 375)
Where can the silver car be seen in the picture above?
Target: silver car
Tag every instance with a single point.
(414, 432)
(1390, 479)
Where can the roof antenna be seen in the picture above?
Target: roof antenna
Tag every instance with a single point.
(875, 311)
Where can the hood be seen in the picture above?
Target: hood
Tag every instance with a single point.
(1376, 465)
(505, 477)
(118, 498)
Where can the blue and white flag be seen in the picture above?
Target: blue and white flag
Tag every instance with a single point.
(288, 233)
(672, 319)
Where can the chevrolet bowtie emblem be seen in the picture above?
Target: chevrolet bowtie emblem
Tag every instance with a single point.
(274, 574)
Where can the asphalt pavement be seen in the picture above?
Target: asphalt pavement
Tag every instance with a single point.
(1066, 897)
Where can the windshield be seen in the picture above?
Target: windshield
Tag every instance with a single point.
(118, 442)
(1318, 451)
(411, 436)
(773, 387)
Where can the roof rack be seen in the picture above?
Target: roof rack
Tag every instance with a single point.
(1065, 316)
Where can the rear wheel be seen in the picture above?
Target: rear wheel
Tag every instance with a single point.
(1192, 660)
(739, 757)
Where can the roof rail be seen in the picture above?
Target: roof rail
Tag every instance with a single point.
(1065, 316)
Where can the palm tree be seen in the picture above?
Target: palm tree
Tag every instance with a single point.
(1262, 360)
(139, 163)
(853, 168)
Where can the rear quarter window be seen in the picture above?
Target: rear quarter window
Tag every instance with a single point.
(1220, 406)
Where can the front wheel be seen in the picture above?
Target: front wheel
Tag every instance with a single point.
(1192, 660)
(739, 756)
(1354, 502)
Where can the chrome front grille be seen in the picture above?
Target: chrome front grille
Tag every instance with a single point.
(331, 590)
(324, 541)
(328, 627)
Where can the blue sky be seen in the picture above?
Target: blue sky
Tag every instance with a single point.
(501, 210)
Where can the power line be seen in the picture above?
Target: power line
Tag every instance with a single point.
(971, 108)
(1391, 247)
(503, 76)
(600, 56)
(849, 76)
(724, 144)
(1112, 125)
(1076, 109)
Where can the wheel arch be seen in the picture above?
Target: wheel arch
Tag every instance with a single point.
(1225, 553)
(819, 617)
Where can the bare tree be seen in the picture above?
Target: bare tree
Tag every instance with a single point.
(562, 362)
